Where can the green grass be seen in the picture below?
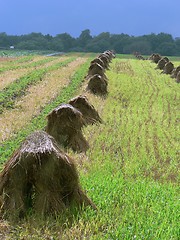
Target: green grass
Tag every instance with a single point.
(131, 170)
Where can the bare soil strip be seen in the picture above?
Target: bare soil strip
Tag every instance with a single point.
(39, 95)
(9, 76)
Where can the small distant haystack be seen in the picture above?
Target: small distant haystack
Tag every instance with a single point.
(65, 124)
(140, 57)
(166, 59)
(168, 68)
(178, 77)
(96, 68)
(175, 72)
(155, 57)
(105, 60)
(99, 61)
(110, 54)
(161, 63)
(90, 115)
(97, 85)
(39, 177)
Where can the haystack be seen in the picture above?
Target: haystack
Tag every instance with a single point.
(111, 53)
(40, 178)
(175, 72)
(166, 59)
(90, 114)
(168, 68)
(99, 61)
(107, 54)
(161, 63)
(105, 60)
(65, 124)
(97, 85)
(140, 57)
(155, 57)
(96, 68)
(178, 77)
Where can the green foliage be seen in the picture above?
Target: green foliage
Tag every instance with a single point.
(122, 43)
(84, 39)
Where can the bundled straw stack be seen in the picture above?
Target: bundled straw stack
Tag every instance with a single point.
(40, 177)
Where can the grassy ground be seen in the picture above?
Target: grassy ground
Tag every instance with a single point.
(131, 170)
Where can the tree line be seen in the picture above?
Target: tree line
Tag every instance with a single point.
(162, 43)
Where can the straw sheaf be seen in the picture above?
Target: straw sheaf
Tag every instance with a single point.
(90, 114)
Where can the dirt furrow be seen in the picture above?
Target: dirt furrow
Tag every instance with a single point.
(39, 95)
(9, 76)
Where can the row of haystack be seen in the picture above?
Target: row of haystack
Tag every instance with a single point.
(138, 56)
(167, 67)
(40, 177)
(97, 79)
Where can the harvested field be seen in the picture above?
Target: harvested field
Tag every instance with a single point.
(131, 170)
(8, 77)
(38, 96)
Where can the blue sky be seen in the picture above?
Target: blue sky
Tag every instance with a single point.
(133, 17)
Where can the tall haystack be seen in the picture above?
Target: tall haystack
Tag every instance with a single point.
(111, 54)
(168, 68)
(108, 55)
(178, 77)
(97, 85)
(155, 57)
(90, 114)
(140, 57)
(105, 60)
(99, 61)
(166, 59)
(175, 72)
(40, 178)
(96, 68)
(161, 63)
(65, 124)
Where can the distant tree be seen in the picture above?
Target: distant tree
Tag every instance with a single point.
(83, 39)
(4, 40)
(27, 45)
(99, 43)
(119, 41)
(177, 43)
(57, 45)
(142, 47)
(48, 37)
(157, 40)
(162, 43)
(33, 41)
(66, 40)
(98, 46)
(167, 48)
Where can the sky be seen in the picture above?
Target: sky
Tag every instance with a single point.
(132, 17)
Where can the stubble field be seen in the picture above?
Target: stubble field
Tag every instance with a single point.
(131, 171)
